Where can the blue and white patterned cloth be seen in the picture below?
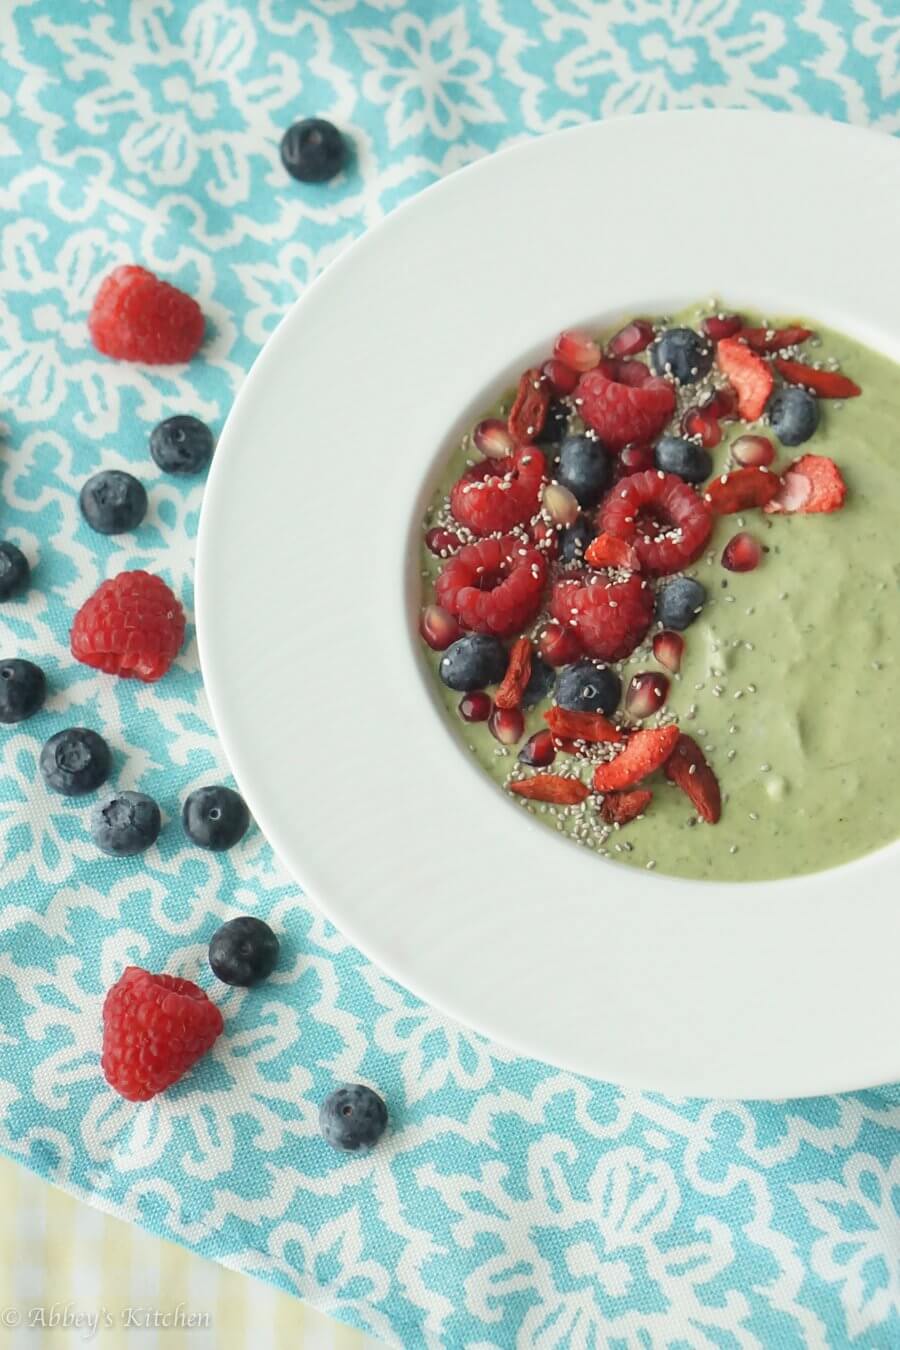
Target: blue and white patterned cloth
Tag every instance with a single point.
(513, 1205)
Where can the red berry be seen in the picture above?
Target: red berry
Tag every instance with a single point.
(646, 694)
(668, 648)
(609, 617)
(545, 537)
(740, 490)
(507, 725)
(810, 485)
(499, 494)
(635, 458)
(155, 1027)
(492, 438)
(699, 422)
(619, 808)
(742, 553)
(562, 378)
(529, 410)
(442, 542)
(608, 551)
(623, 414)
(633, 338)
(475, 707)
(718, 326)
(137, 317)
(644, 753)
(774, 339)
(438, 628)
(539, 751)
(493, 586)
(753, 452)
(825, 383)
(664, 519)
(577, 349)
(633, 373)
(558, 645)
(131, 626)
(722, 404)
(750, 376)
(687, 767)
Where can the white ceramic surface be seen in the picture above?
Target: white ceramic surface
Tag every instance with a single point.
(307, 593)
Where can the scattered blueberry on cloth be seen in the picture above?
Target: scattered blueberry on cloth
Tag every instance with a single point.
(507, 1204)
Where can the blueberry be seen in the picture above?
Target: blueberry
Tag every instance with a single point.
(793, 414)
(313, 150)
(683, 354)
(181, 444)
(585, 468)
(352, 1117)
(540, 682)
(14, 570)
(126, 823)
(556, 423)
(586, 687)
(679, 602)
(215, 817)
(113, 501)
(22, 690)
(75, 761)
(473, 662)
(689, 460)
(243, 951)
(574, 539)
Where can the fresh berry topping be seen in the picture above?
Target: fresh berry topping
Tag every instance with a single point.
(679, 602)
(825, 383)
(767, 340)
(742, 553)
(574, 540)
(793, 414)
(438, 628)
(137, 317)
(113, 502)
(22, 690)
(551, 787)
(718, 326)
(558, 645)
(666, 521)
(75, 761)
(646, 694)
(215, 817)
(703, 426)
(681, 353)
(644, 753)
(687, 767)
(740, 490)
(243, 951)
(493, 586)
(631, 339)
(155, 1028)
(544, 536)
(492, 438)
(518, 672)
(529, 409)
(562, 378)
(539, 750)
(609, 617)
(541, 682)
(622, 414)
(608, 551)
(689, 461)
(585, 468)
(499, 494)
(560, 504)
(753, 452)
(476, 706)
(131, 626)
(506, 725)
(577, 349)
(353, 1117)
(442, 542)
(633, 373)
(567, 724)
(125, 824)
(15, 572)
(181, 445)
(811, 485)
(556, 424)
(313, 150)
(668, 648)
(750, 376)
(722, 404)
(635, 459)
(619, 808)
(587, 687)
(473, 662)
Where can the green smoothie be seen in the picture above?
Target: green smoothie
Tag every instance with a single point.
(791, 675)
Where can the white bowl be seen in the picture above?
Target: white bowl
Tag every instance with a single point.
(307, 593)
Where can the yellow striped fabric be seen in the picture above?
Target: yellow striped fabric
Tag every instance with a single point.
(71, 1276)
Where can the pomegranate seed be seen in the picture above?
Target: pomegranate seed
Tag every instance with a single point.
(637, 458)
(442, 542)
(698, 422)
(560, 504)
(438, 628)
(742, 553)
(631, 339)
(562, 378)
(476, 707)
(753, 451)
(577, 349)
(646, 694)
(723, 405)
(539, 750)
(492, 438)
(545, 537)
(559, 646)
(507, 725)
(668, 648)
(633, 373)
(717, 326)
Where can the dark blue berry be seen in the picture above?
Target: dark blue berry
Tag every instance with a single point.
(690, 461)
(540, 682)
(215, 817)
(75, 761)
(683, 354)
(14, 571)
(243, 951)
(113, 501)
(313, 150)
(126, 823)
(574, 539)
(586, 687)
(352, 1117)
(556, 423)
(22, 690)
(679, 602)
(585, 468)
(473, 662)
(181, 444)
(793, 414)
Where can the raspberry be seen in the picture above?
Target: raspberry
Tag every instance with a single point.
(499, 494)
(155, 1027)
(665, 520)
(609, 617)
(137, 317)
(493, 586)
(131, 626)
(623, 413)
